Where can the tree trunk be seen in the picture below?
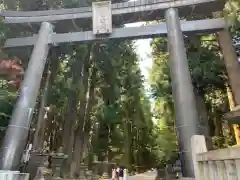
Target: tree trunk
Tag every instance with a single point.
(90, 104)
(51, 74)
(39, 133)
(79, 138)
(52, 134)
(128, 140)
(71, 117)
(203, 118)
(218, 126)
(233, 70)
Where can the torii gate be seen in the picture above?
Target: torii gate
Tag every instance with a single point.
(104, 14)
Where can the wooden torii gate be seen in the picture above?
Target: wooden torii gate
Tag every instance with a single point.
(103, 15)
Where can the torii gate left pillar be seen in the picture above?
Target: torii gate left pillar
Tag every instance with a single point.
(17, 132)
(187, 121)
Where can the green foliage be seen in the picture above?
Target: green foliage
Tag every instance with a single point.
(7, 97)
(207, 68)
(119, 105)
(232, 13)
(165, 137)
(209, 79)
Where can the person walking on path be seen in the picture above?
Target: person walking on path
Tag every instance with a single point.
(121, 173)
(114, 174)
(125, 174)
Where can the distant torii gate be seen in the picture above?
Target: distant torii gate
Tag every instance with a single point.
(103, 15)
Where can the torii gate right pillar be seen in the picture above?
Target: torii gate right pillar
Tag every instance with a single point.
(183, 94)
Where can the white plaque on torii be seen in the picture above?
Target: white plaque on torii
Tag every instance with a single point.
(102, 17)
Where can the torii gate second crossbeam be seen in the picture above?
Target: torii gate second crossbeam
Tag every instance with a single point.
(148, 31)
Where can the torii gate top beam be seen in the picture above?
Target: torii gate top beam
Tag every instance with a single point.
(126, 12)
